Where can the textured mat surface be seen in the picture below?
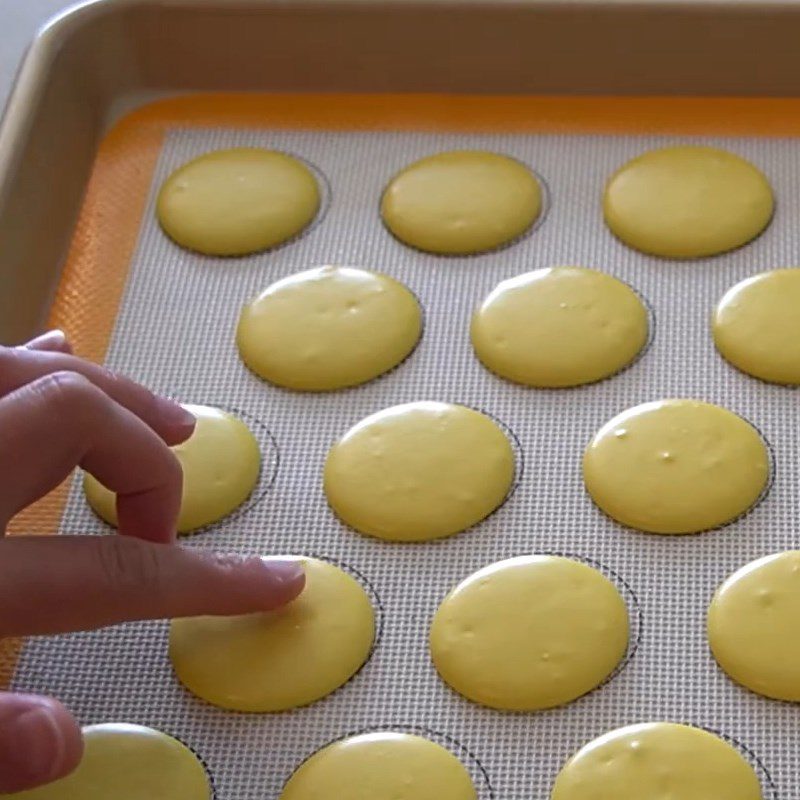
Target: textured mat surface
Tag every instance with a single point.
(175, 332)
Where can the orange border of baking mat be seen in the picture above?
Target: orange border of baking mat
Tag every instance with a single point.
(96, 269)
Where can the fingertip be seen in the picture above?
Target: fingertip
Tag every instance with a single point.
(177, 424)
(253, 584)
(288, 579)
(177, 434)
(70, 736)
(40, 742)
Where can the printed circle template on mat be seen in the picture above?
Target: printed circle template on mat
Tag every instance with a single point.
(687, 202)
(657, 760)
(754, 626)
(221, 463)
(280, 659)
(381, 766)
(461, 202)
(676, 466)
(129, 762)
(559, 327)
(240, 201)
(419, 471)
(757, 326)
(329, 328)
(530, 633)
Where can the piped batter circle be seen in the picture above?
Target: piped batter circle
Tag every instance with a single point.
(419, 471)
(754, 626)
(328, 328)
(130, 762)
(559, 327)
(756, 326)
(687, 202)
(530, 633)
(676, 466)
(461, 202)
(384, 765)
(281, 659)
(221, 462)
(238, 201)
(657, 760)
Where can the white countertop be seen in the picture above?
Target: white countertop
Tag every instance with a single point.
(19, 21)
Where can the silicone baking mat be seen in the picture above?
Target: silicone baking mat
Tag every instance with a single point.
(175, 332)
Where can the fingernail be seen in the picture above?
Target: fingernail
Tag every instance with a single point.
(287, 573)
(41, 745)
(56, 337)
(54, 340)
(175, 414)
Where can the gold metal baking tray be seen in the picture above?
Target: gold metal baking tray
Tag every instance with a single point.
(103, 57)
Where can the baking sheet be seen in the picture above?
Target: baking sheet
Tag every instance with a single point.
(175, 332)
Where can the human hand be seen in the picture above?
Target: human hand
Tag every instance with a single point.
(57, 412)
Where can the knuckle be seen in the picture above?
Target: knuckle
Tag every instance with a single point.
(127, 390)
(129, 565)
(64, 388)
(109, 379)
(66, 393)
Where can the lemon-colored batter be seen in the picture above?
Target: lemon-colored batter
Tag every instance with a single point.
(676, 466)
(279, 659)
(687, 202)
(240, 201)
(529, 633)
(657, 761)
(754, 626)
(328, 328)
(419, 471)
(129, 762)
(221, 463)
(559, 327)
(461, 202)
(381, 766)
(757, 326)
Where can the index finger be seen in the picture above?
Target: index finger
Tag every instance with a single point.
(19, 366)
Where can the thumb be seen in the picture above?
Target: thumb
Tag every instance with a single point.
(55, 584)
(39, 742)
